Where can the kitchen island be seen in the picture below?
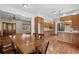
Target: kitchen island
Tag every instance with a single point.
(69, 37)
(48, 33)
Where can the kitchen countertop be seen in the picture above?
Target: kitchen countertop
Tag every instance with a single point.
(71, 32)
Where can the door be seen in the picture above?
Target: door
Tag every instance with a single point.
(9, 28)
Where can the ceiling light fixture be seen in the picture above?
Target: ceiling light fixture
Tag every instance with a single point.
(25, 5)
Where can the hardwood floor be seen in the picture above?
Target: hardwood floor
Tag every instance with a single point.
(57, 47)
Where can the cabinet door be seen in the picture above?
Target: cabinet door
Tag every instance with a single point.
(75, 20)
(76, 39)
(69, 37)
(39, 25)
(61, 37)
(65, 18)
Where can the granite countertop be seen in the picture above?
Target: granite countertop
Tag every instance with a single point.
(72, 32)
(47, 31)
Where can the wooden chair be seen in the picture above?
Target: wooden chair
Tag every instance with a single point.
(43, 48)
(7, 46)
(35, 35)
(40, 36)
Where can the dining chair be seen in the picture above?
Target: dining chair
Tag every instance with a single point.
(40, 36)
(43, 48)
(7, 46)
(35, 35)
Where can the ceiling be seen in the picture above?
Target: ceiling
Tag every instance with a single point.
(46, 9)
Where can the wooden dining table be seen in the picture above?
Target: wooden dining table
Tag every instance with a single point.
(25, 44)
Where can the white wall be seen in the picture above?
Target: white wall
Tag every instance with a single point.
(18, 25)
(19, 12)
(23, 13)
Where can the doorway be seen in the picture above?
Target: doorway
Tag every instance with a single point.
(8, 28)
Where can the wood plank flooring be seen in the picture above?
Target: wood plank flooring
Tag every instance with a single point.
(57, 47)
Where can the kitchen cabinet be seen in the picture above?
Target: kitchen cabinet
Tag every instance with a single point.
(69, 37)
(49, 28)
(75, 20)
(65, 18)
(47, 33)
(39, 24)
(61, 36)
(65, 37)
(76, 39)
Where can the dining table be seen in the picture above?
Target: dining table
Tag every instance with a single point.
(25, 43)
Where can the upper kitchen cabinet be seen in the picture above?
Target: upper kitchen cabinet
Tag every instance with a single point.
(75, 21)
(65, 18)
(73, 18)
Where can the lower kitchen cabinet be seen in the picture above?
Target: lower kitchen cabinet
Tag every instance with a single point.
(69, 38)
